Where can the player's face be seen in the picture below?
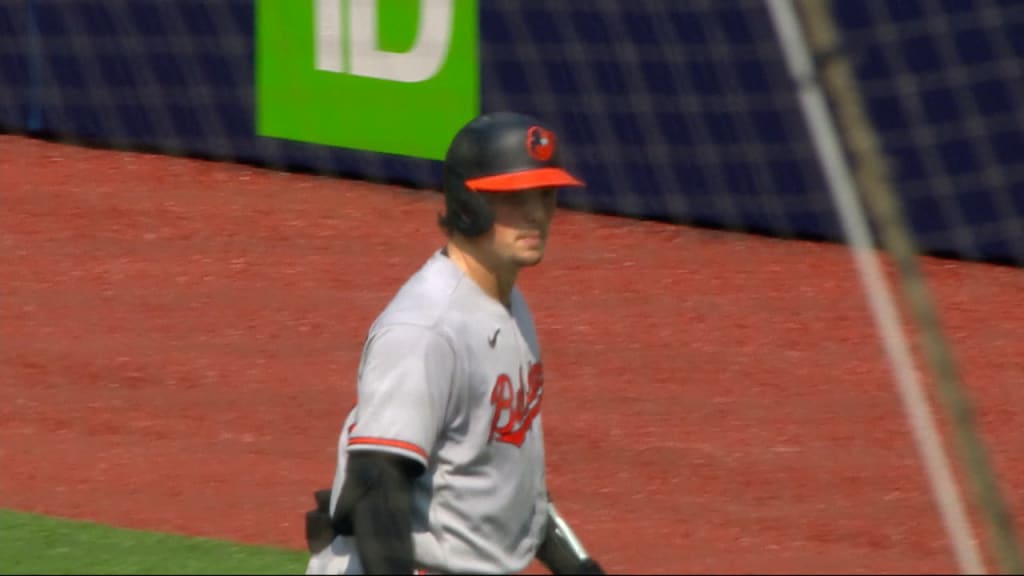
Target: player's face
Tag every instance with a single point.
(521, 222)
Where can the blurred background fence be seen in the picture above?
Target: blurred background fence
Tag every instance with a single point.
(680, 110)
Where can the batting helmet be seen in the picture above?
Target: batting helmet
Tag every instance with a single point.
(495, 153)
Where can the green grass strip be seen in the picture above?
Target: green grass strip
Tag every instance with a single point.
(33, 544)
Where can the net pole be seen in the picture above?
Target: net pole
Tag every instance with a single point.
(881, 302)
(871, 176)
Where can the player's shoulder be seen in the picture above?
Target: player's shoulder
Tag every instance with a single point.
(425, 299)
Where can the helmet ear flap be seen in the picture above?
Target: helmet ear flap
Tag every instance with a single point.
(467, 211)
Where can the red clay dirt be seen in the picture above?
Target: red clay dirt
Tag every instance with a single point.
(178, 340)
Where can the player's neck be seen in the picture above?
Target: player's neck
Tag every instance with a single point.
(496, 281)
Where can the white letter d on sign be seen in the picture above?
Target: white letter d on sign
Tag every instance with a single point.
(428, 53)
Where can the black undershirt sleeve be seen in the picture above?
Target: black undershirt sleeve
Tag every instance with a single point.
(375, 507)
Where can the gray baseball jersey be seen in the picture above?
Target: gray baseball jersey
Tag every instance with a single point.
(453, 379)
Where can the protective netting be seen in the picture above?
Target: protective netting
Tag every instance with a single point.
(725, 370)
(944, 81)
(674, 110)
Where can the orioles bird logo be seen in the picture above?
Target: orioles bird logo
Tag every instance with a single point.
(540, 143)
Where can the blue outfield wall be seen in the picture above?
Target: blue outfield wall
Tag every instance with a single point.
(672, 109)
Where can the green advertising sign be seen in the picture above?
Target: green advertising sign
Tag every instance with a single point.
(392, 76)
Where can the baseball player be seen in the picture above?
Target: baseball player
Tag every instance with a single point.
(440, 465)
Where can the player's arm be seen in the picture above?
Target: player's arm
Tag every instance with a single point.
(375, 506)
(561, 551)
(403, 392)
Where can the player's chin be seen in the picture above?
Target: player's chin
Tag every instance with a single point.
(531, 257)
